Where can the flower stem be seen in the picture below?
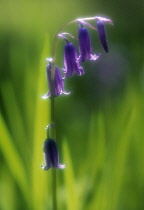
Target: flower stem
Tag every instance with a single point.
(53, 135)
(54, 190)
(53, 130)
(52, 105)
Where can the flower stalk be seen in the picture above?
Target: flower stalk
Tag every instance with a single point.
(56, 83)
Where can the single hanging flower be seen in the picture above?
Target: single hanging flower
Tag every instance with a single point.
(85, 45)
(58, 82)
(51, 155)
(71, 62)
(102, 34)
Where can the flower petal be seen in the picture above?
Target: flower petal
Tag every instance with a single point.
(46, 95)
(94, 56)
(61, 166)
(102, 35)
(71, 62)
(51, 155)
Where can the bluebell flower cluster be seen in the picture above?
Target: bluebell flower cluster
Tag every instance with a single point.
(73, 60)
(72, 66)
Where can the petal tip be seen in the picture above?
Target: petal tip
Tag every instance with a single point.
(45, 168)
(45, 96)
(61, 166)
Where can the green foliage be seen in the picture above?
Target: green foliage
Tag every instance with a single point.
(110, 174)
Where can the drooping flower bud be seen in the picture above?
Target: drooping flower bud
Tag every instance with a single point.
(85, 45)
(71, 62)
(51, 155)
(58, 83)
(102, 34)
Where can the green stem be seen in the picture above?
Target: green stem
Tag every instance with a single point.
(53, 129)
(53, 134)
(54, 187)
(54, 190)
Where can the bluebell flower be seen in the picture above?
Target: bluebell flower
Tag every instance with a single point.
(85, 45)
(51, 155)
(102, 34)
(58, 83)
(71, 62)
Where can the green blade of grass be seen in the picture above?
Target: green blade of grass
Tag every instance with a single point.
(72, 198)
(40, 178)
(13, 159)
(108, 192)
(14, 115)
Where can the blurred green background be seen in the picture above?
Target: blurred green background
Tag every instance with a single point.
(100, 131)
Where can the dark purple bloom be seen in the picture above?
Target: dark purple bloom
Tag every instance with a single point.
(85, 45)
(102, 34)
(58, 83)
(51, 155)
(71, 62)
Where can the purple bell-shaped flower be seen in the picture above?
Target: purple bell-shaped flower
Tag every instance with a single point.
(58, 83)
(85, 45)
(71, 62)
(102, 34)
(51, 155)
